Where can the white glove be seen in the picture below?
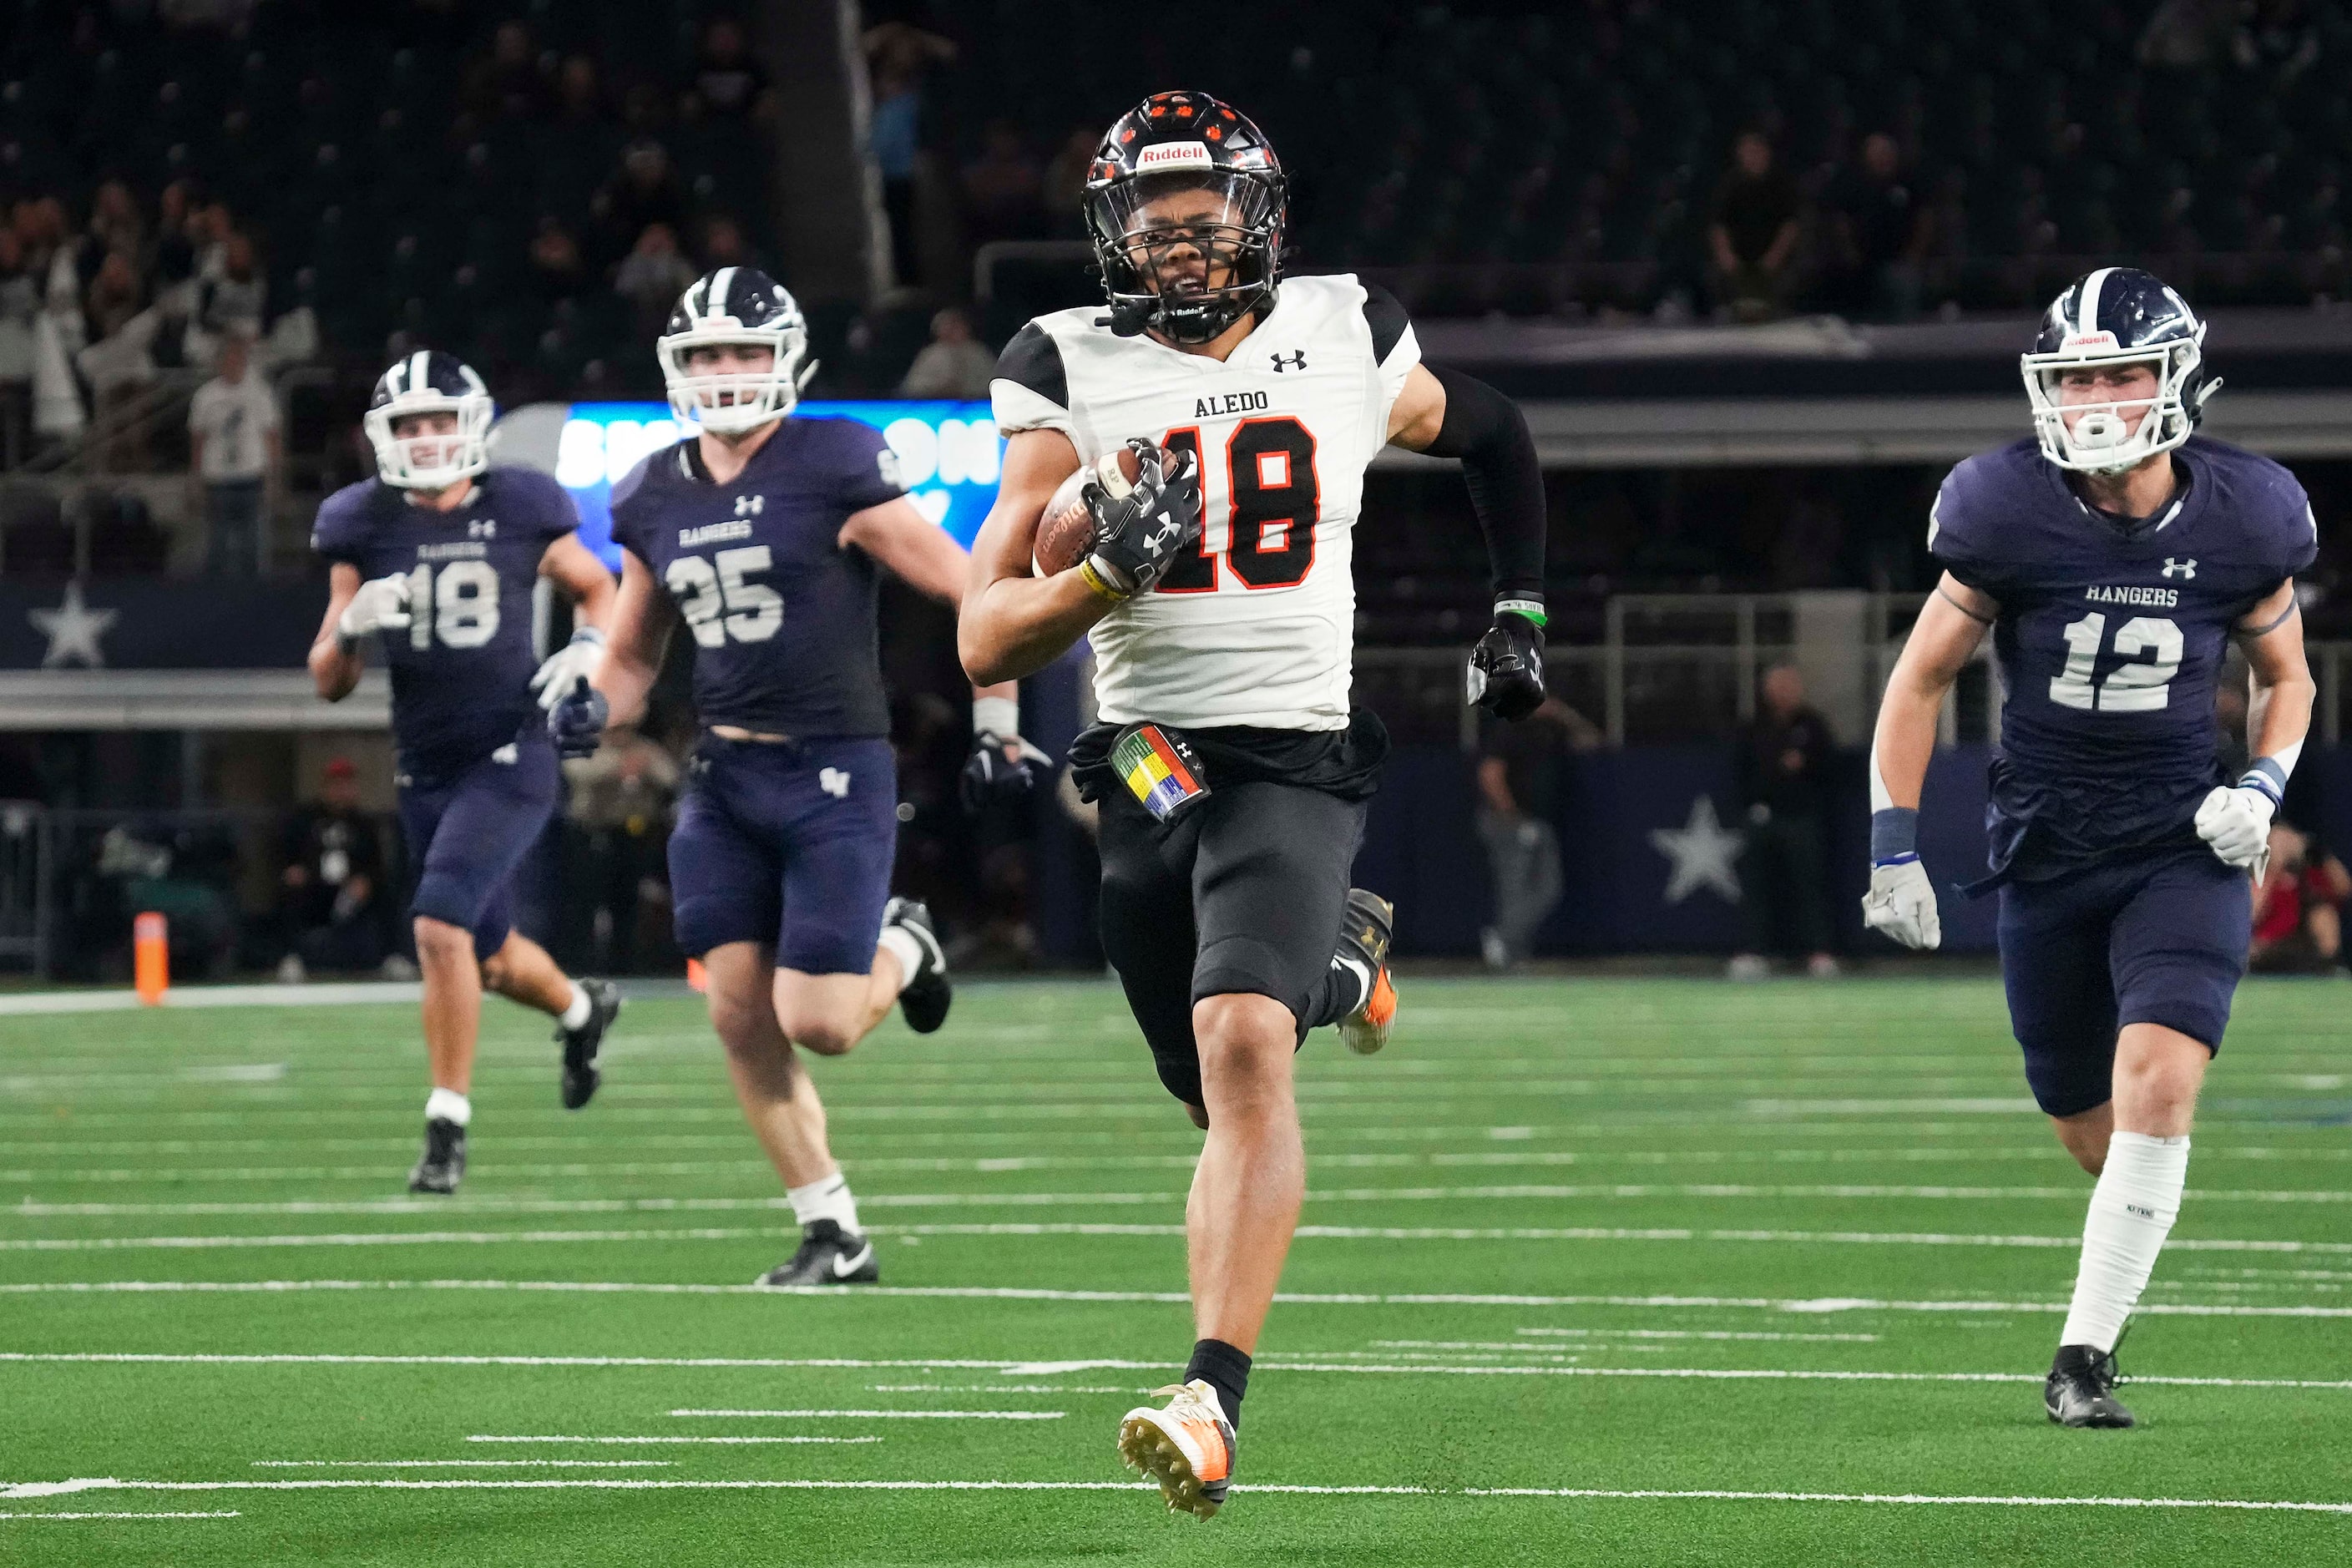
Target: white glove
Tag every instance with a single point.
(379, 607)
(1902, 903)
(2237, 824)
(580, 659)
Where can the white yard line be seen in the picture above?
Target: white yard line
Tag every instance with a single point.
(55, 1518)
(1807, 1304)
(1306, 1232)
(738, 1441)
(1574, 1493)
(29, 1208)
(1015, 1368)
(885, 1414)
(464, 1464)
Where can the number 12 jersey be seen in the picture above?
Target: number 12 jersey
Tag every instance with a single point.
(2111, 643)
(1257, 625)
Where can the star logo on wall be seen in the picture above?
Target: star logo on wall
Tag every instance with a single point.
(73, 629)
(1704, 853)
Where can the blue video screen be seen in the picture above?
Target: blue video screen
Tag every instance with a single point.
(949, 453)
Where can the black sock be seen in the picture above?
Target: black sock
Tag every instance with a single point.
(1225, 1369)
(1339, 993)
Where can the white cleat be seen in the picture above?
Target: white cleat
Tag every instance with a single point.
(1187, 1447)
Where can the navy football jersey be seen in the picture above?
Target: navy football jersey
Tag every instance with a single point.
(2111, 643)
(782, 613)
(461, 671)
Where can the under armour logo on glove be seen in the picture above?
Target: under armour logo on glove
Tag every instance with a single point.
(2173, 567)
(1297, 362)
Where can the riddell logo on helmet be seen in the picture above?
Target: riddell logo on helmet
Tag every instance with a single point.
(1174, 155)
(2091, 340)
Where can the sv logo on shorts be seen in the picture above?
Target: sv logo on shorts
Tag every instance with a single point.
(834, 782)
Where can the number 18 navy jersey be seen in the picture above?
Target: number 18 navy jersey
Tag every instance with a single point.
(782, 613)
(2111, 643)
(461, 671)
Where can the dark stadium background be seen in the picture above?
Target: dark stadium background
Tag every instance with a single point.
(1736, 475)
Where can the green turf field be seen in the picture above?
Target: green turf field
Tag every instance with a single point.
(1606, 1271)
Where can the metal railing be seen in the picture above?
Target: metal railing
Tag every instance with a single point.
(124, 424)
(1674, 669)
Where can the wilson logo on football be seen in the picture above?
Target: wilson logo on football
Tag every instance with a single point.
(1174, 155)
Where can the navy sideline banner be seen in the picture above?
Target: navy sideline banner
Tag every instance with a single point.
(154, 623)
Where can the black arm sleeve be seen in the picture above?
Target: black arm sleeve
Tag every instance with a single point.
(1488, 432)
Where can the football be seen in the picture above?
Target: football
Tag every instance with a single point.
(1066, 528)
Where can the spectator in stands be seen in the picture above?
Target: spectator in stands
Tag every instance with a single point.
(723, 244)
(896, 56)
(954, 363)
(652, 275)
(233, 451)
(114, 226)
(1781, 768)
(557, 271)
(1878, 235)
(20, 301)
(174, 257)
(1002, 188)
(2299, 906)
(118, 361)
(113, 297)
(1065, 179)
(1522, 792)
(645, 190)
(329, 880)
(2185, 35)
(616, 820)
(728, 81)
(2276, 38)
(510, 82)
(233, 302)
(1752, 237)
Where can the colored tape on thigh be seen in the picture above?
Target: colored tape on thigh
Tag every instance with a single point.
(1157, 769)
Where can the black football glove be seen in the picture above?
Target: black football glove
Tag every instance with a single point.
(1507, 667)
(991, 776)
(576, 723)
(1139, 535)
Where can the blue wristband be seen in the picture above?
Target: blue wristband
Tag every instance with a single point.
(1894, 835)
(2264, 774)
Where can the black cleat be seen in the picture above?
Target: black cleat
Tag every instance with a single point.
(924, 1000)
(580, 1045)
(443, 1163)
(828, 1256)
(2081, 1389)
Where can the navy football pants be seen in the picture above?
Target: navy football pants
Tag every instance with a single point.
(789, 844)
(468, 832)
(2156, 938)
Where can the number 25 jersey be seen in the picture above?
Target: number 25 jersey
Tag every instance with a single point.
(2111, 644)
(781, 611)
(461, 669)
(1257, 625)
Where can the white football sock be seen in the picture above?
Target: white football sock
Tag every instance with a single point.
(581, 1010)
(448, 1105)
(900, 945)
(826, 1198)
(2132, 1211)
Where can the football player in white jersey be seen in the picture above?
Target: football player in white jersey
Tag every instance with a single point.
(1231, 772)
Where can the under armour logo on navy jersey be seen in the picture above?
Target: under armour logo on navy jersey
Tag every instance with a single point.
(750, 506)
(2175, 566)
(834, 782)
(482, 528)
(1297, 362)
